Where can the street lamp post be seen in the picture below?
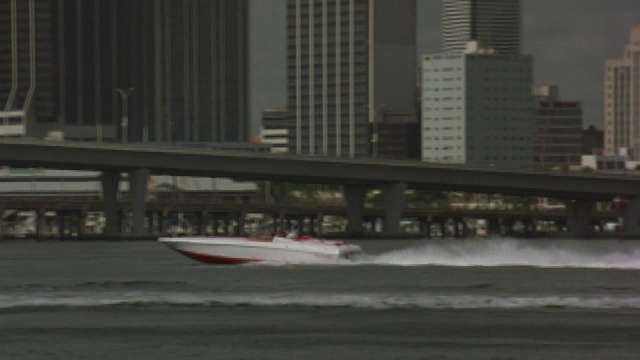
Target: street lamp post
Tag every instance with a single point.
(124, 95)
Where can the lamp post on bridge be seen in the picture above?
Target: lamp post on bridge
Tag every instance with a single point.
(124, 124)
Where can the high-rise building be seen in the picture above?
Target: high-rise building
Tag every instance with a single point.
(557, 135)
(348, 62)
(477, 108)
(622, 99)
(57, 68)
(188, 64)
(181, 65)
(495, 23)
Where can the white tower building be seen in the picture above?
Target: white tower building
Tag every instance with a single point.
(622, 100)
(477, 108)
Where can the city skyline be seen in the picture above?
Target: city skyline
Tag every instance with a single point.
(570, 41)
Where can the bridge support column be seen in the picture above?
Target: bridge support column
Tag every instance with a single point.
(317, 229)
(241, 222)
(138, 179)
(530, 227)
(163, 219)
(227, 224)
(631, 217)
(151, 215)
(442, 224)
(61, 224)
(354, 198)
(494, 227)
(462, 225)
(579, 215)
(110, 183)
(393, 201)
(82, 214)
(40, 224)
(425, 226)
(198, 219)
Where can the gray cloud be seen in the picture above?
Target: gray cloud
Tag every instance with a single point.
(570, 41)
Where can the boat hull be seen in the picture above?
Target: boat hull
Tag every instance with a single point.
(229, 250)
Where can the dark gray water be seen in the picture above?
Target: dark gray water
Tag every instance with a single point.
(464, 299)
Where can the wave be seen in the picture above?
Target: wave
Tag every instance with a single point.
(381, 301)
(96, 284)
(608, 254)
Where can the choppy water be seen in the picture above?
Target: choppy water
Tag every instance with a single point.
(439, 299)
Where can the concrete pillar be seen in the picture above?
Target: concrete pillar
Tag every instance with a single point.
(316, 225)
(40, 224)
(508, 226)
(226, 226)
(426, 227)
(526, 226)
(464, 230)
(393, 202)
(493, 226)
(631, 217)
(533, 227)
(457, 228)
(354, 197)
(199, 219)
(206, 221)
(82, 214)
(123, 221)
(110, 183)
(579, 213)
(241, 218)
(73, 224)
(138, 179)
(163, 221)
(153, 222)
(61, 224)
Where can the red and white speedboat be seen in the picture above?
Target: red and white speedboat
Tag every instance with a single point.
(238, 250)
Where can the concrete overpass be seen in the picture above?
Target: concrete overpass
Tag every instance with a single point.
(580, 190)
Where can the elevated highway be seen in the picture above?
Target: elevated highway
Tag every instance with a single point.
(580, 190)
(167, 160)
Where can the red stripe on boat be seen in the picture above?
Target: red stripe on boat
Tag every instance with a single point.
(214, 259)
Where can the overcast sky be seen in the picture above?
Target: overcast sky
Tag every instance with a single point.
(569, 39)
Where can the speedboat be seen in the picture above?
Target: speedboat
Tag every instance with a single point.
(239, 250)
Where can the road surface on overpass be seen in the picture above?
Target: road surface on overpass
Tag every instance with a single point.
(371, 173)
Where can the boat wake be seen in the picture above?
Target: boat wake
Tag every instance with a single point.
(369, 300)
(597, 254)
